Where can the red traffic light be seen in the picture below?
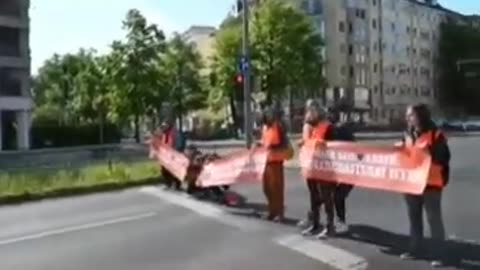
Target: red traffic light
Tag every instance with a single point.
(239, 79)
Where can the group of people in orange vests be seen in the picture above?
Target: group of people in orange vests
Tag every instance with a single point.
(323, 125)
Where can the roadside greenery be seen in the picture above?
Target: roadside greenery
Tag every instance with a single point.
(41, 183)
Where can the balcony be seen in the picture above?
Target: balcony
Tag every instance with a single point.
(13, 22)
(10, 8)
(8, 103)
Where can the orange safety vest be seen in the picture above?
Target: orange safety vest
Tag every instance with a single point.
(272, 135)
(319, 132)
(427, 139)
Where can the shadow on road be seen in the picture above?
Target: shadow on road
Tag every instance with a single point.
(257, 210)
(461, 255)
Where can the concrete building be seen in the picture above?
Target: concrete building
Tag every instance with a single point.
(380, 54)
(15, 100)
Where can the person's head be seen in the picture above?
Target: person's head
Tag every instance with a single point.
(314, 112)
(270, 114)
(418, 117)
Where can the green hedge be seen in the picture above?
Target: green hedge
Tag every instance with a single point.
(52, 135)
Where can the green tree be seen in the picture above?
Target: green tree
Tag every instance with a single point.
(224, 68)
(287, 50)
(54, 86)
(457, 42)
(138, 59)
(181, 66)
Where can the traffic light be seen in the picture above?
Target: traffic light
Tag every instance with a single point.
(239, 6)
(239, 79)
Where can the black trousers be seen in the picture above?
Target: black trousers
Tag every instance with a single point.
(321, 192)
(170, 180)
(430, 200)
(341, 193)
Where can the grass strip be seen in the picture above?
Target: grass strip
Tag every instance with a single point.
(17, 187)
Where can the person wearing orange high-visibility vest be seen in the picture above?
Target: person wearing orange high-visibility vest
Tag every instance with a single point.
(321, 192)
(306, 131)
(274, 138)
(423, 134)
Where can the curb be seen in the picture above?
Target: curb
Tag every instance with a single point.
(75, 191)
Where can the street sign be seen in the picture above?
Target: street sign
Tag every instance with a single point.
(244, 65)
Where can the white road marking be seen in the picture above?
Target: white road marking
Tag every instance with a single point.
(204, 209)
(328, 254)
(77, 228)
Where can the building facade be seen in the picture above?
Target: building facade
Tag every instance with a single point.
(15, 98)
(380, 54)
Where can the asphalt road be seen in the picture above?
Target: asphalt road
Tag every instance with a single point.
(155, 229)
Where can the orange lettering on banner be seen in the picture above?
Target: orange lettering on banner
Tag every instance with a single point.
(175, 162)
(386, 168)
(242, 166)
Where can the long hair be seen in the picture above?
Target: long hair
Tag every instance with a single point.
(424, 116)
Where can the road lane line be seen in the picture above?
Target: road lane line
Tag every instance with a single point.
(317, 250)
(328, 254)
(77, 228)
(204, 209)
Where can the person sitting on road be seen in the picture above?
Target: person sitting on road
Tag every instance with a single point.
(423, 134)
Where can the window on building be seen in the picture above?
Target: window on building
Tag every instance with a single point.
(375, 68)
(416, 91)
(341, 26)
(394, 90)
(393, 27)
(374, 24)
(414, 51)
(350, 49)
(363, 14)
(342, 48)
(375, 89)
(350, 27)
(343, 70)
(374, 2)
(408, 29)
(375, 46)
(352, 71)
(393, 69)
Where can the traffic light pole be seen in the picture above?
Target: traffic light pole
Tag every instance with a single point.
(246, 78)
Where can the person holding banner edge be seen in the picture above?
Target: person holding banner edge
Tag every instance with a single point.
(274, 138)
(423, 134)
(341, 133)
(321, 192)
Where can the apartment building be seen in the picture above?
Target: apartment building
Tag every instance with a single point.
(15, 101)
(380, 54)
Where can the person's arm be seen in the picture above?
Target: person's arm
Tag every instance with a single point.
(440, 152)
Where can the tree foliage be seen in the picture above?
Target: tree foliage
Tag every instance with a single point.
(458, 42)
(285, 51)
(126, 85)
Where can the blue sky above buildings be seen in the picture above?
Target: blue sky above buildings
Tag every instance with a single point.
(61, 26)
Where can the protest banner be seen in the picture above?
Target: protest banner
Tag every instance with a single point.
(175, 162)
(387, 168)
(240, 167)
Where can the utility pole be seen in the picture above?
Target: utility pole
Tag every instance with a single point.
(246, 77)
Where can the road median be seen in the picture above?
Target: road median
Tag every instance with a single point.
(19, 187)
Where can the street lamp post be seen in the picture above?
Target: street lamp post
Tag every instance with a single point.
(246, 77)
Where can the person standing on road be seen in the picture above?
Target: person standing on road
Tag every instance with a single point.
(274, 138)
(171, 137)
(306, 131)
(342, 132)
(423, 134)
(321, 192)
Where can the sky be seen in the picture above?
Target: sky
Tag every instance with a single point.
(63, 26)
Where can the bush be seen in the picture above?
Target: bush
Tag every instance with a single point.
(55, 135)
